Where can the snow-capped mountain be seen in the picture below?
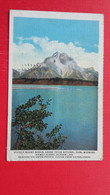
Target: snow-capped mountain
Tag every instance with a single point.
(62, 66)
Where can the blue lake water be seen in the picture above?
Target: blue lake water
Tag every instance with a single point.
(75, 107)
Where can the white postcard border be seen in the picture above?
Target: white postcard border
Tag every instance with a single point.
(59, 155)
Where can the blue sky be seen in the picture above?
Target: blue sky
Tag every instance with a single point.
(34, 39)
(82, 33)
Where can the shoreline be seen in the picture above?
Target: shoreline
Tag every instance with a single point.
(55, 82)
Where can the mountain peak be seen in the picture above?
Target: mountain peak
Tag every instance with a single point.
(59, 65)
(56, 54)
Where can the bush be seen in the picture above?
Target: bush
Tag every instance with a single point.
(29, 121)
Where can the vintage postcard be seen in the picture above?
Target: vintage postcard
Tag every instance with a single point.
(55, 104)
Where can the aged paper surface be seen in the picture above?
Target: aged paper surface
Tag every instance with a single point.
(55, 105)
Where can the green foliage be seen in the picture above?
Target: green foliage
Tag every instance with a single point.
(30, 116)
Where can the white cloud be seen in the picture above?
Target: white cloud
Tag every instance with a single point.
(27, 53)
